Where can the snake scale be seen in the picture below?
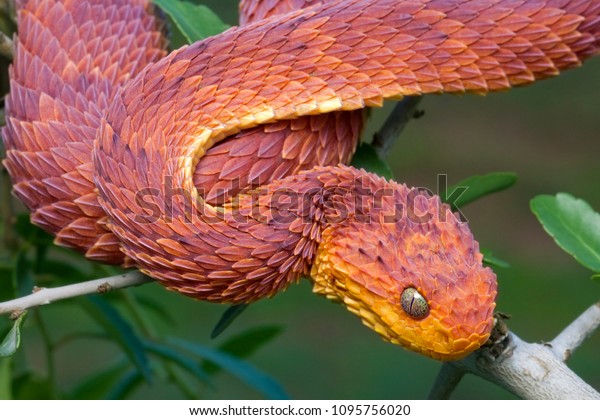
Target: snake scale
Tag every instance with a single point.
(219, 169)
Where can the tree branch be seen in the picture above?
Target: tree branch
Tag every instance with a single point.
(446, 382)
(528, 370)
(565, 343)
(403, 112)
(43, 296)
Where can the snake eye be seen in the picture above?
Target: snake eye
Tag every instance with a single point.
(414, 304)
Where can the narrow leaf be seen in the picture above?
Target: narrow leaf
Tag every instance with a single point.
(173, 355)
(12, 340)
(125, 386)
(573, 224)
(475, 187)
(118, 328)
(596, 278)
(227, 318)
(490, 259)
(193, 20)
(245, 344)
(157, 308)
(242, 370)
(97, 386)
(367, 159)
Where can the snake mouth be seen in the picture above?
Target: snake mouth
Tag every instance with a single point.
(420, 284)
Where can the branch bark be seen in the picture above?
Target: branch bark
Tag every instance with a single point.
(571, 337)
(404, 111)
(446, 382)
(528, 370)
(43, 296)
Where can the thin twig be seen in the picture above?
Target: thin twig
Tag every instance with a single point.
(565, 343)
(45, 296)
(403, 112)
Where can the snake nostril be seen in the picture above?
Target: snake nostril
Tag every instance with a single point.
(414, 304)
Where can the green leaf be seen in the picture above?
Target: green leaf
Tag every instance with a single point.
(245, 344)
(573, 224)
(5, 379)
(366, 158)
(12, 340)
(470, 189)
(125, 386)
(596, 278)
(119, 329)
(227, 318)
(242, 370)
(173, 355)
(193, 20)
(489, 259)
(97, 386)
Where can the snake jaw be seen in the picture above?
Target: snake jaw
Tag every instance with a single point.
(368, 265)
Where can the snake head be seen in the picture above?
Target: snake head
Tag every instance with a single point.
(408, 267)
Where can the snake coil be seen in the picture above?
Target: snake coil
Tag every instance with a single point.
(219, 169)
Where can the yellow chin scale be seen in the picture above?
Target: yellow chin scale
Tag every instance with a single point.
(382, 309)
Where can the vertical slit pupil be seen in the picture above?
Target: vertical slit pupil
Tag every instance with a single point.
(414, 304)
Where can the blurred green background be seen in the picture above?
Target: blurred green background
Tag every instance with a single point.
(547, 133)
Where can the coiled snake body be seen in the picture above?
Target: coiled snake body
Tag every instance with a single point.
(136, 157)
